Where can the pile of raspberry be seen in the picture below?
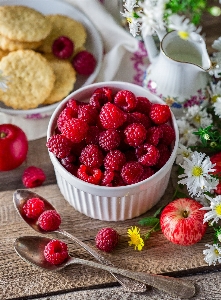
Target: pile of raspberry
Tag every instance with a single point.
(114, 139)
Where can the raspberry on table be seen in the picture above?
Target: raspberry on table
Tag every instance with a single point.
(56, 252)
(135, 134)
(91, 156)
(125, 100)
(90, 175)
(49, 220)
(88, 113)
(84, 63)
(160, 113)
(67, 114)
(33, 208)
(147, 154)
(59, 145)
(107, 239)
(75, 130)
(33, 177)
(131, 172)
(114, 160)
(111, 117)
(109, 139)
(63, 47)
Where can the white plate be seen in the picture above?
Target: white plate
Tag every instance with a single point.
(93, 44)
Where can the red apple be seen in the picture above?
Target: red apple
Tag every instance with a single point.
(13, 147)
(182, 222)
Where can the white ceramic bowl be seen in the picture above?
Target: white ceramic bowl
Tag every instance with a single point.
(111, 203)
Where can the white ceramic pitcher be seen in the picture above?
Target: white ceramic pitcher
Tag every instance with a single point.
(178, 72)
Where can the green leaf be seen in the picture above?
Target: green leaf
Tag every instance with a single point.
(158, 211)
(149, 221)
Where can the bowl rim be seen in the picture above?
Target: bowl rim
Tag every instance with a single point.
(103, 190)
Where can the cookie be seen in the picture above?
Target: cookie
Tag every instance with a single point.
(23, 24)
(3, 53)
(64, 82)
(64, 26)
(31, 79)
(11, 45)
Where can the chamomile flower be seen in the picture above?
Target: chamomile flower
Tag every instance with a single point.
(217, 44)
(129, 14)
(182, 151)
(135, 238)
(183, 26)
(213, 254)
(198, 116)
(3, 81)
(196, 175)
(215, 91)
(217, 107)
(214, 210)
(186, 133)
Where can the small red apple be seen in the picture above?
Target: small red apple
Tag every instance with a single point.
(13, 147)
(182, 222)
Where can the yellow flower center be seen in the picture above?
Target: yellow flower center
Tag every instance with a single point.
(186, 154)
(197, 171)
(218, 209)
(216, 252)
(183, 35)
(214, 98)
(129, 20)
(197, 118)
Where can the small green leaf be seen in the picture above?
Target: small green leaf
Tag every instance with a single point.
(158, 211)
(148, 221)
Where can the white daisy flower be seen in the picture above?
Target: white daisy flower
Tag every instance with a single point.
(134, 24)
(215, 90)
(130, 5)
(196, 175)
(3, 81)
(198, 116)
(214, 212)
(217, 44)
(182, 152)
(186, 133)
(212, 255)
(217, 107)
(183, 26)
(216, 65)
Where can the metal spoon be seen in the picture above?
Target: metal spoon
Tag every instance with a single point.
(31, 249)
(21, 196)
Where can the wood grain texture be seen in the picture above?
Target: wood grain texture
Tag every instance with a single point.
(19, 279)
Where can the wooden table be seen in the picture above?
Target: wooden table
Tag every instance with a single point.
(18, 280)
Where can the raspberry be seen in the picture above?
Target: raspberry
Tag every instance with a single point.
(33, 208)
(63, 47)
(107, 239)
(147, 154)
(125, 100)
(100, 97)
(109, 139)
(59, 145)
(90, 175)
(154, 134)
(92, 136)
(165, 153)
(56, 252)
(67, 114)
(73, 104)
(88, 113)
(160, 113)
(75, 130)
(49, 220)
(107, 178)
(131, 172)
(84, 62)
(33, 177)
(114, 160)
(143, 105)
(137, 117)
(68, 164)
(135, 134)
(168, 134)
(91, 156)
(147, 173)
(111, 117)
(78, 147)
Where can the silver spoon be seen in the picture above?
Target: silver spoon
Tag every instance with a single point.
(21, 196)
(31, 249)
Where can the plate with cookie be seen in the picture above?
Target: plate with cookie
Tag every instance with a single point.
(47, 50)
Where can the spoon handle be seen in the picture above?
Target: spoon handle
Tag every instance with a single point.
(127, 283)
(174, 286)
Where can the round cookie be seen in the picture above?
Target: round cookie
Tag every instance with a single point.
(11, 45)
(65, 79)
(64, 26)
(23, 24)
(31, 79)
